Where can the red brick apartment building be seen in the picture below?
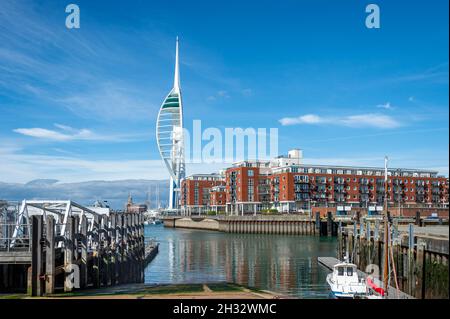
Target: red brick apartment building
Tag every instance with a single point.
(288, 186)
(201, 193)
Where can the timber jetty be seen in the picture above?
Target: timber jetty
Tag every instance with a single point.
(420, 255)
(63, 246)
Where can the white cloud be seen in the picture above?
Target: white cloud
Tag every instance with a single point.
(304, 119)
(386, 106)
(373, 120)
(43, 133)
(68, 133)
(362, 120)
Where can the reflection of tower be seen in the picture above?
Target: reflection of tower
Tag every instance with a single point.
(169, 133)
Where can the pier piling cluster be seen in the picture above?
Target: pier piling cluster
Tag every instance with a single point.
(110, 251)
(421, 262)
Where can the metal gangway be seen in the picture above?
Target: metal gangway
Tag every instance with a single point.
(15, 221)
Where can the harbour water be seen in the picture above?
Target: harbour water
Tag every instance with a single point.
(284, 264)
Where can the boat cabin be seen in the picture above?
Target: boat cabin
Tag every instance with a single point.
(345, 273)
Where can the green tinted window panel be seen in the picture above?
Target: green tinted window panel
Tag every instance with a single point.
(174, 104)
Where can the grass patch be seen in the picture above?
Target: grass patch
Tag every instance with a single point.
(13, 296)
(224, 287)
(171, 289)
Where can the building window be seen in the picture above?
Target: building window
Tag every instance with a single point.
(250, 173)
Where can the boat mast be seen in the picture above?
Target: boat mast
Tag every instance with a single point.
(386, 229)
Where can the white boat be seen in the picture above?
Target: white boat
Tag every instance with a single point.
(156, 221)
(345, 283)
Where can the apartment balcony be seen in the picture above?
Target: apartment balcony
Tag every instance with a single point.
(435, 183)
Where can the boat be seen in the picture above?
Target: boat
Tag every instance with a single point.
(156, 221)
(374, 289)
(344, 281)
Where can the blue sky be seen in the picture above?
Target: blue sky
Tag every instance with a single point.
(81, 104)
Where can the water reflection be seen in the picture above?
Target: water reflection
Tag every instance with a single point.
(281, 263)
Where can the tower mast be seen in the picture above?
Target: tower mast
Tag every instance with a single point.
(386, 229)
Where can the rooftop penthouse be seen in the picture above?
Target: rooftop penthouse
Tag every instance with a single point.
(354, 170)
(205, 177)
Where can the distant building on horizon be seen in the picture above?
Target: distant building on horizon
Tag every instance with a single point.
(131, 207)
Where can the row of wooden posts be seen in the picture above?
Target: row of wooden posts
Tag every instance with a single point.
(421, 272)
(111, 252)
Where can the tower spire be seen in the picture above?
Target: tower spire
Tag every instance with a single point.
(176, 79)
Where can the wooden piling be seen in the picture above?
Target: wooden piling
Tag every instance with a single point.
(83, 252)
(68, 254)
(37, 284)
(50, 255)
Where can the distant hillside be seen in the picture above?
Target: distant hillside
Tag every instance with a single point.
(85, 193)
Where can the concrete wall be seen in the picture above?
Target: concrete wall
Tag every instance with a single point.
(207, 224)
(288, 225)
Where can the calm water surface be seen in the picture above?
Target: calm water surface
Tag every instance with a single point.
(280, 263)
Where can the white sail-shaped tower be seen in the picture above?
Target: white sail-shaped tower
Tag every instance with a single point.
(169, 134)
